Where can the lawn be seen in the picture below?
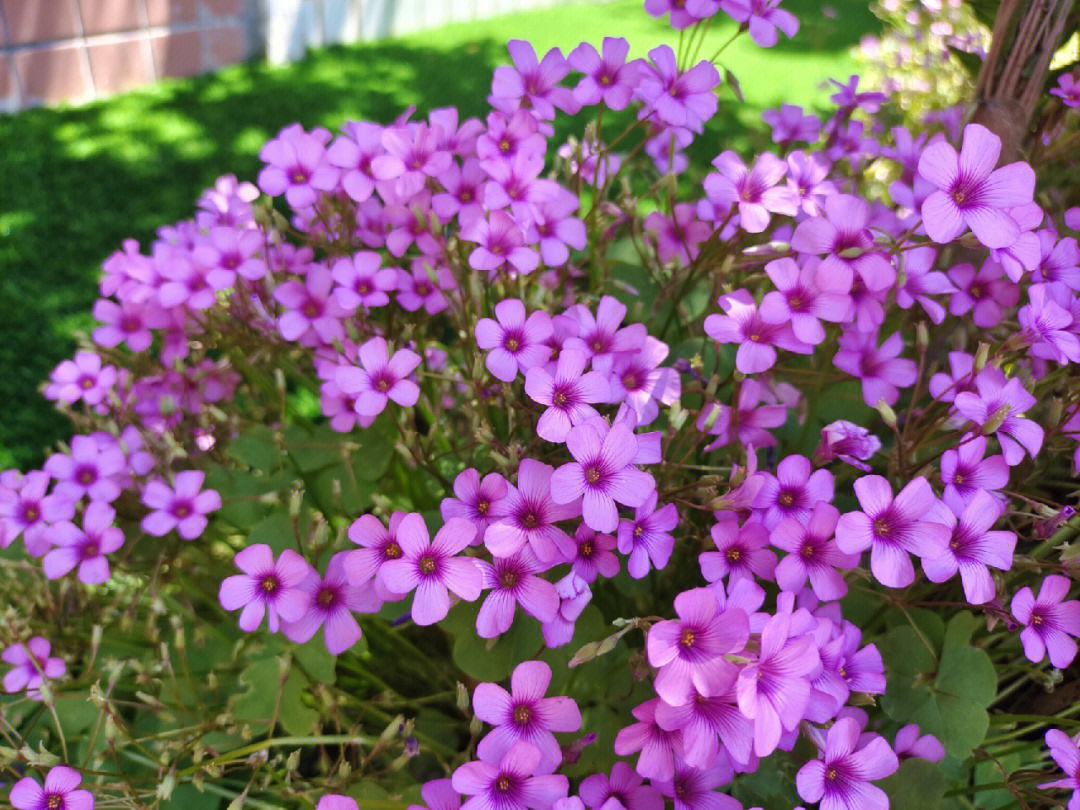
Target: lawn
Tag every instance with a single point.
(75, 182)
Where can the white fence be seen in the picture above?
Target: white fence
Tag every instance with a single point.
(293, 26)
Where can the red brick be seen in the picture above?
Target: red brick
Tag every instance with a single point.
(52, 74)
(178, 54)
(226, 45)
(106, 16)
(40, 20)
(224, 8)
(9, 86)
(117, 66)
(164, 12)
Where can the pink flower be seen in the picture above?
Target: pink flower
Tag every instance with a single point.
(892, 528)
(966, 471)
(1065, 751)
(331, 602)
(268, 587)
(360, 282)
(60, 792)
(82, 377)
(679, 236)
(530, 515)
(432, 567)
(312, 315)
(743, 324)
(514, 342)
(841, 779)
(1000, 403)
(844, 238)
(352, 153)
(689, 653)
(793, 492)
(610, 78)
(567, 392)
(602, 474)
(789, 124)
(848, 442)
(413, 154)
(879, 369)
(480, 502)
(909, 744)
(524, 715)
(380, 378)
(646, 539)
(1050, 622)
(424, 287)
(798, 300)
(532, 84)
(658, 746)
(90, 471)
(755, 191)
(500, 241)
(972, 547)
(693, 788)
(297, 167)
(623, 790)
(182, 507)
(812, 554)
(84, 547)
(971, 193)
(32, 666)
(763, 17)
(746, 421)
(512, 581)
(985, 292)
(601, 337)
(379, 545)
(510, 784)
(1068, 90)
(678, 99)
(742, 552)
(919, 282)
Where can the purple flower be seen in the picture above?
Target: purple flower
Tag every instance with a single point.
(755, 191)
(601, 474)
(1068, 90)
(500, 240)
(312, 315)
(1058, 261)
(514, 343)
(512, 581)
(879, 369)
(574, 596)
(743, 324)
(689, 653)
(90, 470)
(623, 790)
(567, 393)
(529, 517)
(763, 18)
(267, 587)
(60, 792)
(848, 442)
(793, 492)
(183, 507)
(510, 784)
(412, 154)
(646, 539)
(601, 337)
(296, 167)
(352, 152)
(524, 715)
(532, 84)
(84, 547)
(985, 292)
(463, 193)
(909, 744)
(83, 377)
(380, 378)
(944, 386)
(417, 288)
(678, 237)
(775, 690)
(637, 379)
(684, 13)
(124, 323)
(971, 192)
(378, 546)
(972, 547)
(812, 554)
(25, 509)
(1065, 752)
(331, 601)
(556, 229)
(678, 99)
(1024, 253)
(807, 181)
(32, 665)
(694, 788)
(748, 422)
(431, 567)
(966, 472)
(1045, 327)
(479, 502)
(336, 801)
(918, 282)
(742, 552)
(658, 746)
(609, 78)
(593, 554)
(841, 779)
(506, 136)
(438, 794)
(798, 301)
(996, 406)
(361, 282)
(849, 97)
(790, 124)
(844, 238)
(704, 723)
(1048, 621)
(892, 528)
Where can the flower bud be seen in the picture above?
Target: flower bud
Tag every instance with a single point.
(922, 335)
(888, 415)
(462, 697)
(981, 355)
(994, 423)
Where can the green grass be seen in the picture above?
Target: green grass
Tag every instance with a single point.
(75, 182)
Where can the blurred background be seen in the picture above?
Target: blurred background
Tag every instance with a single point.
(117, 113)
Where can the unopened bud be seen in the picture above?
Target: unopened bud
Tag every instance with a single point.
(476, 725)
(710, 419)
(462, 697)
(888, 415)
(296, 498)
(393, 730)
(166, 786)
(922, 335)
(1057, 410)
(981, 355)
(994, 423)
(292, 762)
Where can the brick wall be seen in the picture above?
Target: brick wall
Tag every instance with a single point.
(77, 50)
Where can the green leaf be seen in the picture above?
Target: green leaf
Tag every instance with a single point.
(256, 449)
(262, 679)
(188, 797)
(917, 785)
(491, 659)
(275, 530)
(296, 717)
(76, 714)
(316, 660)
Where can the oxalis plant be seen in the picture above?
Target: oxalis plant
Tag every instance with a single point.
(455, 465)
